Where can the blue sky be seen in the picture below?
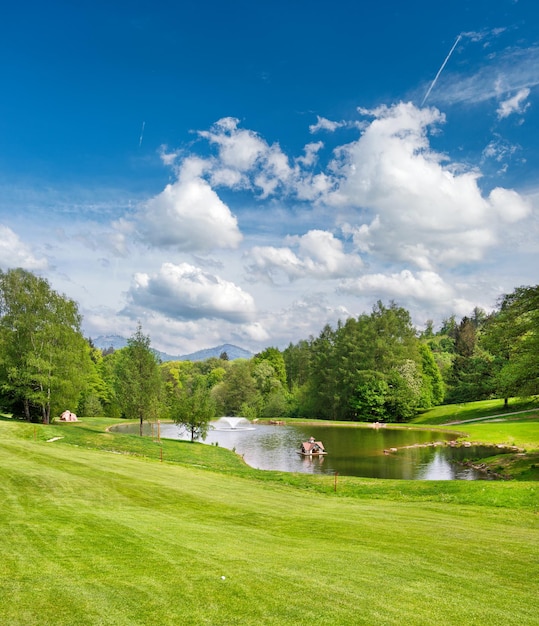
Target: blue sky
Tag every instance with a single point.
(248, 172)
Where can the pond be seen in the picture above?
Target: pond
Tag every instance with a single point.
(352, 451)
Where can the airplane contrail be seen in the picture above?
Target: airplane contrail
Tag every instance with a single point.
(441, 69)
(141, 134)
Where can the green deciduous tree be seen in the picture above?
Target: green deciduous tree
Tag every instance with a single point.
(44, 359)
(471, 376)
(322, 390)
(433, 384)
(405, 391)
(275, 358)
(512, 337)
(237, 393)
(192, 406)
(90, 402)
(108, 391)
(372, 367)
(296, 358)
(138, 380)
(377, 356)
(370, 397)
(269, 373)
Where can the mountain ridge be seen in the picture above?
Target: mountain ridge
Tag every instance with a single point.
(117, 342)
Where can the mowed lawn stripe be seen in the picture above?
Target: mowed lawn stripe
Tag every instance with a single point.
(99, 538)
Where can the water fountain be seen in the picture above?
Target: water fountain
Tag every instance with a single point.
(232, 423)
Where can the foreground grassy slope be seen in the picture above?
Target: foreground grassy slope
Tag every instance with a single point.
(98, 537)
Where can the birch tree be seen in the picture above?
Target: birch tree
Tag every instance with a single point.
(44, 358)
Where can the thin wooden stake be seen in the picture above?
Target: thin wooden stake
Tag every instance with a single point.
(335, 487)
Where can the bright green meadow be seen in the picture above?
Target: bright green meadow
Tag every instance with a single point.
(109, 529)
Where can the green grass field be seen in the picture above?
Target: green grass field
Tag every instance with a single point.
(483, 409)
(100, 528)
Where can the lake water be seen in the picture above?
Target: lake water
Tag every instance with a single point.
(351, 451)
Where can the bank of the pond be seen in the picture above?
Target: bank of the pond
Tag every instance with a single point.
(519, 435)
(91, 433)
(497, 423)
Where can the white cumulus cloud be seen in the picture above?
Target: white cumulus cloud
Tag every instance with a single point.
(410, 203)
(425, 287)
(510, 206)
(238, 149)
(188, 215)
(186, 292)
(245, 160)
(15, 253)
(319, 254)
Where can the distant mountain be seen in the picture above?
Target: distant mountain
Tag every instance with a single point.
(103, 342)
(233, 352)
(109, 341)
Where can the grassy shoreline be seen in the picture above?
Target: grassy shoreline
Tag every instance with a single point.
(94, 433)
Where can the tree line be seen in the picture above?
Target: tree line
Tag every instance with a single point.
(375, 367)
